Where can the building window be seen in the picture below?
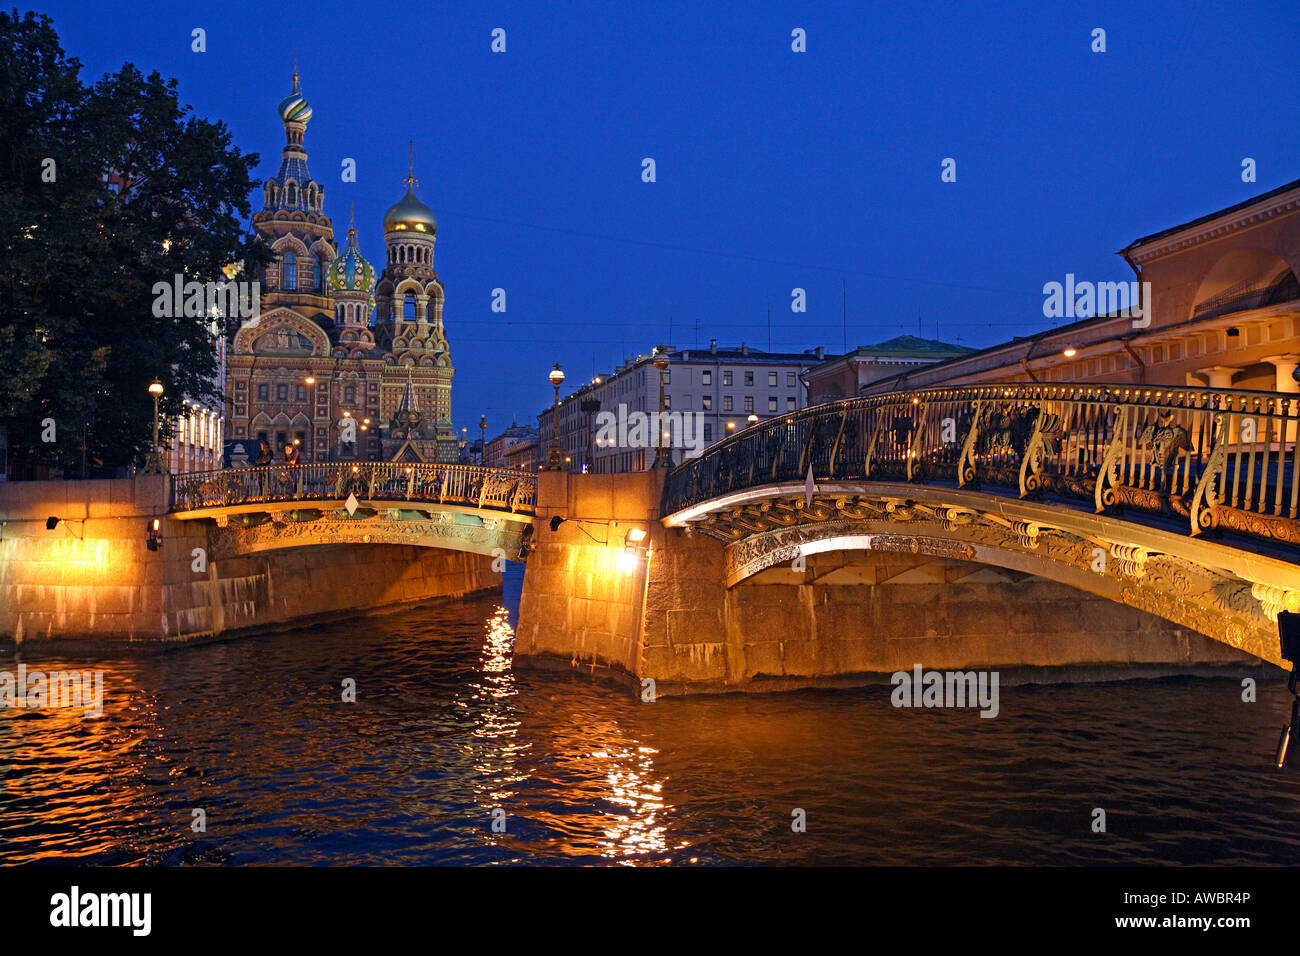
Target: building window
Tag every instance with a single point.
(789, 379)
(726, 377)
(749, 378)
(282, 392)
(261, 392)
(349, 393)
(708, 431)
(771, 379)
(771, 403)
(706, 376)
(707, 402)
(789, 403)
(749, 403)
(315, 272)
(302, 393)
(726, 403)
(289, 271)
(667, 373)
(668, 400)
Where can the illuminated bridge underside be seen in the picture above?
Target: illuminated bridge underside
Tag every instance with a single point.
(269, 508)
(1223, 592)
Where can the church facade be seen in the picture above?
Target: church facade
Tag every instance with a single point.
(344, 362)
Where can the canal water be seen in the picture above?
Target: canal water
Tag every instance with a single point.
(445, 739)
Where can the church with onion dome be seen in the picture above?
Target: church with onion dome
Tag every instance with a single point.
(345, 362)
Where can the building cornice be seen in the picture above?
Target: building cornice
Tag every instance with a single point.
(1216, 228)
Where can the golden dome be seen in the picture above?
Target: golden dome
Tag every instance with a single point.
(410, 214)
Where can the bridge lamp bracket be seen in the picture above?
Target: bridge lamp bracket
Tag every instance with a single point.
(557, 520)
(154, 537)
(53, 521)
(1288, 627)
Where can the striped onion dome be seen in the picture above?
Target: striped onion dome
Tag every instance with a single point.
(294, 108)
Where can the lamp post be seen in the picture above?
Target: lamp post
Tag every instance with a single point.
(555, 454)
(482, 441)
(752, 419)
(155, 463)
(662, 459)
(590, 406)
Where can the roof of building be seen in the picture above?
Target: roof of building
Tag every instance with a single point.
(1210, 216)
(737, 355)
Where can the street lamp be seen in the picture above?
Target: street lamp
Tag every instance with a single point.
(752, 419)
(590, 406)
(662, 460)
(555, 454)
(155, 462)
(482, 440)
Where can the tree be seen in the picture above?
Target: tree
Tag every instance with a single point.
(79, 341)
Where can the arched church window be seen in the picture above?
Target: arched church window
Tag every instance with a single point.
(290, 270)
(408, 308)
(291, 192)
(315, 272)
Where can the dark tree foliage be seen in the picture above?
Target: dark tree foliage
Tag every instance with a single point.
(79, 258)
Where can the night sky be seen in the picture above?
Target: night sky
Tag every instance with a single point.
(776, 169)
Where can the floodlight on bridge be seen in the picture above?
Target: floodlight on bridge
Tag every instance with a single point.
(153, 540)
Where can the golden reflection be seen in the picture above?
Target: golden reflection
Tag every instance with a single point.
(637, 831)
(498, 724)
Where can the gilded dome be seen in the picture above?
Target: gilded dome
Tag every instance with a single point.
(411, 214)
(350, 272)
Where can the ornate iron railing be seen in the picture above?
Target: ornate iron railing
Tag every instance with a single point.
(1219, 459)
(492, 488)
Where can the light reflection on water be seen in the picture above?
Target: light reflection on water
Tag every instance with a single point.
(444, 731)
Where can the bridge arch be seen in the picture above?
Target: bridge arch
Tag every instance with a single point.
(1151, 498)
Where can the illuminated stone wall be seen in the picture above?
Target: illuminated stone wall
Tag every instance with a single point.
(583, 593)
(93, 578)
(848, 617)
(851, 617)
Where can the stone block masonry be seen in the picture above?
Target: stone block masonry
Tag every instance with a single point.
(93, 581)
(849, 617)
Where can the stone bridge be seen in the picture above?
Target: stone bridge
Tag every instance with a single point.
(1017, 525)
(157, 559)
(266, 508)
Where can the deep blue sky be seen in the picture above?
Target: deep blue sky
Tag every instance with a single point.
(775, 169)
